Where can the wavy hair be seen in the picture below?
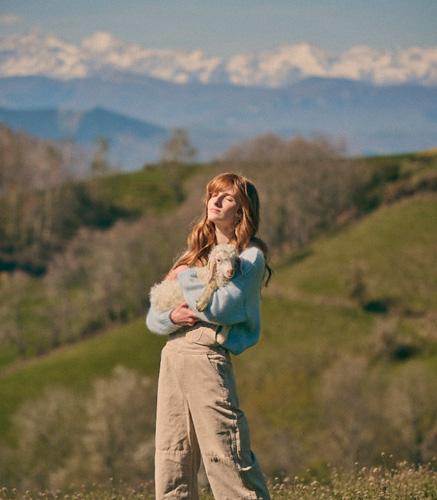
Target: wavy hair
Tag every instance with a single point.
(202, 237)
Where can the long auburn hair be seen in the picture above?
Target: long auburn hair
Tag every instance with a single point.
(202, 237)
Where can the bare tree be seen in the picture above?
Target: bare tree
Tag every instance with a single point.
(273, 149)
(178, 148)
(31, 177)
(99, 163)
(48, 428)
(354, 428)
(66, 440)
(410, 404)
(13, 296)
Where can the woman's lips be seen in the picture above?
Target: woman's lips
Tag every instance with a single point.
(214, 210)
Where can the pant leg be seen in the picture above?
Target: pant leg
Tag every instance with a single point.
(222, 429)
(177, 454)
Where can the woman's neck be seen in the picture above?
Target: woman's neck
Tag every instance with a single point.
(224, 234)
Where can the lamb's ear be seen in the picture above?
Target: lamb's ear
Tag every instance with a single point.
(212, 265)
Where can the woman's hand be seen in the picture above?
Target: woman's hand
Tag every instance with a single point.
(173, 273)
(183, 315)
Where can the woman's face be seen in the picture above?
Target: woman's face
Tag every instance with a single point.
(223, 207)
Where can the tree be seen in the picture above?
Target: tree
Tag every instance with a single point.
(65, 440)
(178, 148)
(272, 148)
(99, 163)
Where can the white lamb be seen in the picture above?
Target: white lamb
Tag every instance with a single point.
(223, 262)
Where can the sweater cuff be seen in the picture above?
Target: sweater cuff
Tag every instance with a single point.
(168, 323)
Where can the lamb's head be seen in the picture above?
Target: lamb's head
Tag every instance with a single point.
(223, 263)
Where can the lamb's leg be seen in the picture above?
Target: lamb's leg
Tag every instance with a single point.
(222, 335)
(204, 299)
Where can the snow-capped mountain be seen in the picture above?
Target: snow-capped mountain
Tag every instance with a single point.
(39, 53)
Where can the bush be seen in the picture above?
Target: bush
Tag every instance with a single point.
(65, 441)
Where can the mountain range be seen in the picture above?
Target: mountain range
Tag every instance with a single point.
(130, 140)
(38, 53)
(379, 101)
(137, 112)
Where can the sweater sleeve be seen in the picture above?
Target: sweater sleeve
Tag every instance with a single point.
(160, 322)
(228, 304)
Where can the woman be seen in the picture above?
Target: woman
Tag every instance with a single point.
(198, 413)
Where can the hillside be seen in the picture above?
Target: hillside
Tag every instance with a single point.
(394, 248)
(310, 322)
(62, 210)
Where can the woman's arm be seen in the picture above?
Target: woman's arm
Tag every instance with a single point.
(227, 306)
(161, 322)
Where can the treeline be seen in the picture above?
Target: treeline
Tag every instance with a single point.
(40, 204)
(47, 194)
(101, 277)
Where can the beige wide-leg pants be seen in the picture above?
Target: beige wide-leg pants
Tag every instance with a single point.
(198, 415)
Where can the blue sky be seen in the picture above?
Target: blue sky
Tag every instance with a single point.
(225, 27)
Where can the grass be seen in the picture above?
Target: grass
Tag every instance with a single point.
(156, 188)
(395, 247)
(298, 341)
(398, 483)
(401, 482)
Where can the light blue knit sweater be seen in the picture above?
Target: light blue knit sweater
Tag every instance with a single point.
(237, 304)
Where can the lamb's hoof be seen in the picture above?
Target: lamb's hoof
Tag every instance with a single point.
(222, 335)
(220, 338)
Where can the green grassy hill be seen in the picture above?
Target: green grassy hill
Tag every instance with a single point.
(154, 189)
(395, 247)
(309, 318)
(75, 366)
